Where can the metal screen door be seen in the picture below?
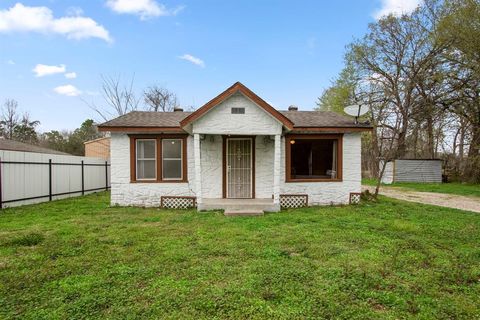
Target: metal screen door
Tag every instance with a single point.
(239, 168)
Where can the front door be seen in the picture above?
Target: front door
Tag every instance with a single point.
(239, 167)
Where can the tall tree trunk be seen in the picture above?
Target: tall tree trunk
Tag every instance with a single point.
(401, 148)
(375, 152)
(474, 149)
(462, 141)
(430, 137)
(415, 141)
(472, 170)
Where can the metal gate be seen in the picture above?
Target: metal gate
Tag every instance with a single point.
(239, 168)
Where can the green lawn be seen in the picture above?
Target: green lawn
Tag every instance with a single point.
(80, 259)
(463, 189)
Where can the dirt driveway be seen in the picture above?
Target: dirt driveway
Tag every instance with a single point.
(437, 199)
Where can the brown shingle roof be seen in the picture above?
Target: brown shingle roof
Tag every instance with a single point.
(147, 119)
(13, 145)
(301, 119)
(321, 119)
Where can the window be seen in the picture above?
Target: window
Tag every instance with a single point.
(158, 158)
(314, 158)
(172, 159)
(238, 110)
(146, 159)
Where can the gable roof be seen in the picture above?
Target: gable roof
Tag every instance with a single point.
(174, 122)
(237, 87)
(12, 145)
(150, 121)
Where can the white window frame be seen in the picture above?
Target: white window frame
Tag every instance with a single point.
(143, 159)
(181, 160)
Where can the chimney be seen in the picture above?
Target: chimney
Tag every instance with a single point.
(292, 108)
(177, 109)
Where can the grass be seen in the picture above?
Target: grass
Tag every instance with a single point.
(81, 259)
(463, 189)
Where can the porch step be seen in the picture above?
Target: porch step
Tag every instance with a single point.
(242, 212)
(246, 205)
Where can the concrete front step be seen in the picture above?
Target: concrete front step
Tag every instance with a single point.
(242, 212)
(239, 204)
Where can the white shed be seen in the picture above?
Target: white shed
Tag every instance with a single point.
(413, 170)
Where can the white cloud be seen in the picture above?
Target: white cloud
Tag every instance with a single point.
(193, 60)
(70, 75)
(68, 90)
(10, 62)
(42, 70)
(396, 7)
(144, 8)
(20, 18)
(74, 11)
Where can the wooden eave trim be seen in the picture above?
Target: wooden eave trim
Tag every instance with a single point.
(330, 129)
(229, 92)
(288, 151)
(143, 129)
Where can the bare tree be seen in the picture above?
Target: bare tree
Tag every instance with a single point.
(399, 55)
(119, 99)
(10, 118)
(160, 99)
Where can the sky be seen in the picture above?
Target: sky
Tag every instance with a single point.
(53, 53)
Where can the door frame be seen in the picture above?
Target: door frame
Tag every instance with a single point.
(224, 163)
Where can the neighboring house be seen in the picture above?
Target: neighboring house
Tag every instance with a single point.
(233, 148)
(98, 148)
(12, 145)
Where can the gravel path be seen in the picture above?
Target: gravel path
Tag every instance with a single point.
(437, 199)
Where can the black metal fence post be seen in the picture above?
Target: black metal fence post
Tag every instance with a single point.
(106, 175)
(83, 179)
(49, 179)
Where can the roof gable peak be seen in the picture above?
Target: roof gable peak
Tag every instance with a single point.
(238, 87)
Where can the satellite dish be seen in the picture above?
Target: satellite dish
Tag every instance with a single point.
(356, 110)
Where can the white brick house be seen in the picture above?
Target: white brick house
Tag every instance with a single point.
(236, 149)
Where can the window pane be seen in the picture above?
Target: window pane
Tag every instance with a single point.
(172, 148)
(146, 169)
(146, 149)
(172, 169)
(313, 159)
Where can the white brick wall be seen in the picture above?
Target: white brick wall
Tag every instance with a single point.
(264, 167)
(220, 120)
(142, 194)
(211, 154)
(324, 193)
(211, 161)
(148, 194)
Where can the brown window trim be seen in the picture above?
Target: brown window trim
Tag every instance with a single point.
(158, 138)
(338, 137)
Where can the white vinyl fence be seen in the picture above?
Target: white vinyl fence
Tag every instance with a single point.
(27, 177)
